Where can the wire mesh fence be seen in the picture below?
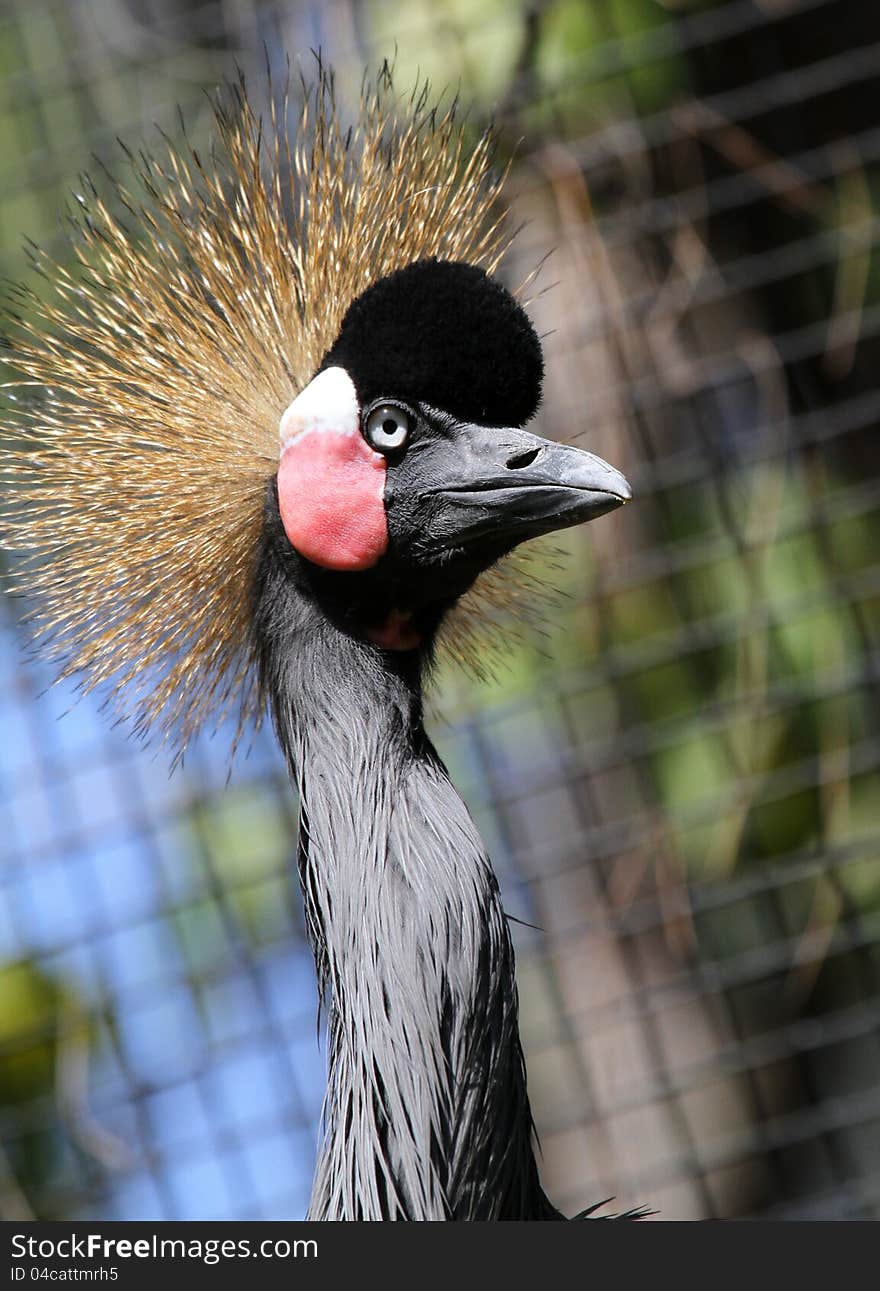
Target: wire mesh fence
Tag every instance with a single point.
(678, 782)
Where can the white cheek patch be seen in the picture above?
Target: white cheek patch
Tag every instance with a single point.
(328, 403)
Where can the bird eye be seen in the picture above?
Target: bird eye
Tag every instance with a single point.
(387, 427)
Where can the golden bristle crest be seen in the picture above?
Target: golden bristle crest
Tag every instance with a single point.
(153, 367)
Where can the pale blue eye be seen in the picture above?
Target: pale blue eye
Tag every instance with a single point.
(387, 427)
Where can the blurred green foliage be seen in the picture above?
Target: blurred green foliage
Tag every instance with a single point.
(481, 50)
(45, 1031)
(773, 691)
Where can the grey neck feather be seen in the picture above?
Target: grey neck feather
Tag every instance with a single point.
(426, 1114)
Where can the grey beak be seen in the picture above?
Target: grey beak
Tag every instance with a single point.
(509, 485)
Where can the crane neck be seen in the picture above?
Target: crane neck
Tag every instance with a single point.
(426, 1114)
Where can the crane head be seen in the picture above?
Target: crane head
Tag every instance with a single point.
(345, 274)
(406, 456)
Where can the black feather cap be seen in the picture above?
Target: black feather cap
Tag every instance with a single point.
(443, 333)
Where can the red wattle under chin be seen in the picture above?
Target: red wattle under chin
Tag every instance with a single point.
(331, 495)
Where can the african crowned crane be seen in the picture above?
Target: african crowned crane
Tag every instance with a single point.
(345, 289)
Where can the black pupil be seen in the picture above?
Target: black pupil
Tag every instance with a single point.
(389, 425)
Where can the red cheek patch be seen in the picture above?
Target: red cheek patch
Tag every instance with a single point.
(331, 495)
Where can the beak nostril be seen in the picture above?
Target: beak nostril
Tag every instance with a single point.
(521, 460)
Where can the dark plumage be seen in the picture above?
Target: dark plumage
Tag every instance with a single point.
(444, 334)
(427, 1113)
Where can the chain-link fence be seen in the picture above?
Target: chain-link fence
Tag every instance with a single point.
(678, 786)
